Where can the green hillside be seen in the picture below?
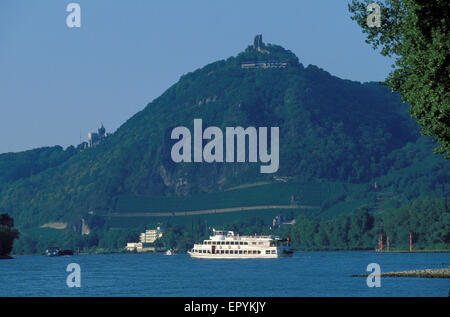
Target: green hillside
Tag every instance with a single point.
(276, 193)
(273, 194)
(337, 138)
(16, 166)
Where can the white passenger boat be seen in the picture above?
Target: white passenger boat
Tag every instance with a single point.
(227, 245)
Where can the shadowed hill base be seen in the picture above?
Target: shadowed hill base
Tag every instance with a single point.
(5, 257)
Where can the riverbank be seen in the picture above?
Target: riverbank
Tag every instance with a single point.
(5, 257)
(413, 251)
(95, 251)
(426, 273)
(375, 251)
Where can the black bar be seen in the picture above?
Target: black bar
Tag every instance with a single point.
(291, 306)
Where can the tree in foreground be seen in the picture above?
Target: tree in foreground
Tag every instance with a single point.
(416, 34)
(7, 234)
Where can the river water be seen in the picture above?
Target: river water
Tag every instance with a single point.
(303, 274)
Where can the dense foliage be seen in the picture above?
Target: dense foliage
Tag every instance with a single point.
(15, 166)
(416, 33)
(428, 219)
(37, 240)
(268, 194)
(7, 234)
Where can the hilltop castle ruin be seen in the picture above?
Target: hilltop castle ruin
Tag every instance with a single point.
(257, 44)
(95, 139)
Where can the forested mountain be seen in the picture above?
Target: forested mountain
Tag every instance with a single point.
(15, 166)
(330, 129)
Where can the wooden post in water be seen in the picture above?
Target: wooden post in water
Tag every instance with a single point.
(380, 242)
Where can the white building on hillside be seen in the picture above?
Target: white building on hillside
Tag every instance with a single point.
(131, 246)
(149, 236)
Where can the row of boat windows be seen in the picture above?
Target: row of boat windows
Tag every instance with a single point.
(236, 251)
(231, 243)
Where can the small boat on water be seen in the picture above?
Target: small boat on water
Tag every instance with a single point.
(227, 245)
(65, 252)
(170, 252)
(54, 251)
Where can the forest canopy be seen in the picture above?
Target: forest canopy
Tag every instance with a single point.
(7, 234)
(416, 34)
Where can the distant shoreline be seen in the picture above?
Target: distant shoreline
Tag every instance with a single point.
(414, 251)
(6, 257)
(371, 250)
(296, 251)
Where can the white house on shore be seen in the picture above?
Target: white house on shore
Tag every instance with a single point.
(149, 236)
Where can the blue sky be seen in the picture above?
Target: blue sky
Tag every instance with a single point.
(56, 81)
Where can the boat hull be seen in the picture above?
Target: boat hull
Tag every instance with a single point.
(238, 256)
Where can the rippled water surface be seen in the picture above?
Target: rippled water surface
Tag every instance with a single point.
(303, 274)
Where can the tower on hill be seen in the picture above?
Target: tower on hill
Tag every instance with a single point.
(97, 138)
(257, 43)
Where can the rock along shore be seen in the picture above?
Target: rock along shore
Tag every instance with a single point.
(427, 273)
